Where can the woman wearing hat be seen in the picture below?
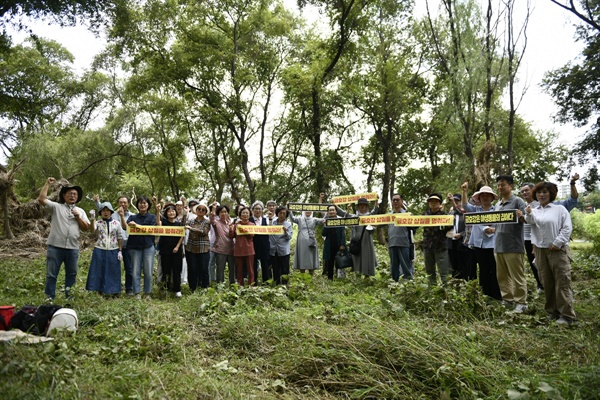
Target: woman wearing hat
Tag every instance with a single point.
(105, 269)
(170, 249)
(197, 248)
(366, 261)
(482, 240)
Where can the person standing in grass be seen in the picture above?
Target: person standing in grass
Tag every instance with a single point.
(223, 245)
(509, 248)
(365, 262)
(280, 246)
(306, 256)
(68, 221)
(551, 230)
(197, 248)
(399, 244)
(335, 241)
(105, 269)
(435, 249)
(243, 248)
(141, 247)
(170, 249)
(482, 240)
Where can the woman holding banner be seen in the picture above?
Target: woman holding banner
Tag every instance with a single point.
(141, 247)
(306, 256)
(366, 261)
(197, 248)
(280, 246)
(243, 248)
(482, 239)
(335, 240)
(223, 245)
(170, 249)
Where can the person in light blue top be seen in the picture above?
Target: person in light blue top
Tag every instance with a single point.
(482, 240)
(280, 246)
(399, 244)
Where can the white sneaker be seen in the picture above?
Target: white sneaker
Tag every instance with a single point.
(178, 294)
(520, 308)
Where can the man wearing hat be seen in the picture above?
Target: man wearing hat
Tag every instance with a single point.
(68, 221)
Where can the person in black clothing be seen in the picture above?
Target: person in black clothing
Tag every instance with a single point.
(170, 249)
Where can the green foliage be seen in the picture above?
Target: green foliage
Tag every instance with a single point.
(592, 227)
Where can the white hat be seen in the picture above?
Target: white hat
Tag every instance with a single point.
(484, 189)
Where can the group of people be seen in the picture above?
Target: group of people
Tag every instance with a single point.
(494, 253)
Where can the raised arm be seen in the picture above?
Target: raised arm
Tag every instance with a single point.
(44, 192)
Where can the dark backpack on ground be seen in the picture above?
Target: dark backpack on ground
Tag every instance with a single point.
(34, 320)
(24, 319)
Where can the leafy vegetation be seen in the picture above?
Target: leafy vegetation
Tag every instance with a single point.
(350, 338)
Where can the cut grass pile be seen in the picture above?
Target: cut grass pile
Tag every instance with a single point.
(351, 338)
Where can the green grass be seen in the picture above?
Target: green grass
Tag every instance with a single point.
(353, 338)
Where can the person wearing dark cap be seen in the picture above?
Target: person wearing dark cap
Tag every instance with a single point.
(435, 250)
(68, 221)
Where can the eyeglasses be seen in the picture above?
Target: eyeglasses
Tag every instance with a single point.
(395, 199)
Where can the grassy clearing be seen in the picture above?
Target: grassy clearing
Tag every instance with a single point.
(352, 338)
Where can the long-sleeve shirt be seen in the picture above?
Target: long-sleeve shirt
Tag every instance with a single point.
(141, 241)
(550, 225)
(280, 244)
(223, 243)
(244, 244)
(478, 237)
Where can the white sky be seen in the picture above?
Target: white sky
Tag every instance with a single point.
(550, 45)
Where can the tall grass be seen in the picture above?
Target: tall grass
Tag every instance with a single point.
(352, 338)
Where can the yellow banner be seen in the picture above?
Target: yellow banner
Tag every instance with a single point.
(381, 219)
(353, 198)
(259, 230)
(156, 230)
(492, 217)
(308, 207)
(333, 222)
(424, 220)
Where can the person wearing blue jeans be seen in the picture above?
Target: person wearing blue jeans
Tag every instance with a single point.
(141, 247)
(68, 221)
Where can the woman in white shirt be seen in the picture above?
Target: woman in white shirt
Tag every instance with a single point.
(550, 233)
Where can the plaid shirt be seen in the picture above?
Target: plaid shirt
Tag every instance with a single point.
(198, 240)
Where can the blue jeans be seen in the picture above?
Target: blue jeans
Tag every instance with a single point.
(400, 262)
(142, 258)
(55, 256)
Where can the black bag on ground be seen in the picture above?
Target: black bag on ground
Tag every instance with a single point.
(24, 319)
(343, 259)
(32, 319)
